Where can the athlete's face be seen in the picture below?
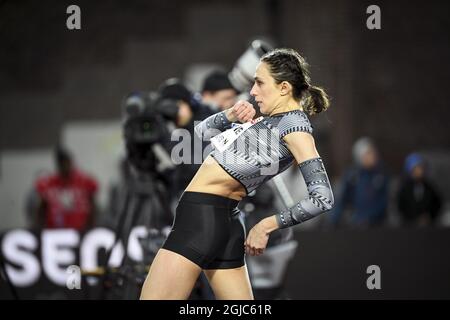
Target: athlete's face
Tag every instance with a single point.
(265, 90)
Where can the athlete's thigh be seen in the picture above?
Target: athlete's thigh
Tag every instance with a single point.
(171, 276)
(230, 284)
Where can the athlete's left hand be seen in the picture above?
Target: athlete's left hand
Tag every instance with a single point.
(259, 236)
(256, 240)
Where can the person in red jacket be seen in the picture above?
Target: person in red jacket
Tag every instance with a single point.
(66, 198)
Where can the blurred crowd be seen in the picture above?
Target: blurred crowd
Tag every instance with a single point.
(364, 191)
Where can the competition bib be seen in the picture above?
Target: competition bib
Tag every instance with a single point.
(223, 140)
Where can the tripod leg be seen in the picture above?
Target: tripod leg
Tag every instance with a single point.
(5, 276)
(117, 236)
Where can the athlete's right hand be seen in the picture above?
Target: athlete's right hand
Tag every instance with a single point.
(242, 111)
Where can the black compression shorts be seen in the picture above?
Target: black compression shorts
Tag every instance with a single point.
(207, 231)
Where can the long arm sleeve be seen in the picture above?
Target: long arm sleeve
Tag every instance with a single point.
(320, 196)
(212, 125)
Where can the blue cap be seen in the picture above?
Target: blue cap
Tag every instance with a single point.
(413, 160)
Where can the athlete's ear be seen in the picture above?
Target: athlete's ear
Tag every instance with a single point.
(285, 88)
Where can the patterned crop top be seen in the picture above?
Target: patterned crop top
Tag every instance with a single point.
(255, 152)
(259, 153)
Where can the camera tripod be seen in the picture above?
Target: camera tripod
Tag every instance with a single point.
(145, 203)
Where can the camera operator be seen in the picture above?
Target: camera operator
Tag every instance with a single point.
(189, 111)
(147, 166)
(141, 197)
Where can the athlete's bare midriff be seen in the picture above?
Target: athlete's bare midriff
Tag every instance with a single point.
(212, 178)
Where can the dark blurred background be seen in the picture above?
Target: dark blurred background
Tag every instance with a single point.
(390, 85)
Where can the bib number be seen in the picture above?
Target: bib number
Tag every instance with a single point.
(225, 139)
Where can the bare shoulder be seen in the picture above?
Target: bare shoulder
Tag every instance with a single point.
(301, 145)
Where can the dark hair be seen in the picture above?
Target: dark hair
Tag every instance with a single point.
(217, 80)
(61, 154)
(288, 65)
(173, 89)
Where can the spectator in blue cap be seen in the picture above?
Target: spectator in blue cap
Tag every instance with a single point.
(417, 199)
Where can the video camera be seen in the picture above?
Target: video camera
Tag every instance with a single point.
(146, 123)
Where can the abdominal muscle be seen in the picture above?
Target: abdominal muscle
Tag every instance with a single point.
(212, 178)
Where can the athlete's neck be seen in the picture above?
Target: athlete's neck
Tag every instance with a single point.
(290, 105)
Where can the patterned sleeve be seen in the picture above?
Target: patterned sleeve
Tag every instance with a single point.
(212, 125)
(320, 196)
